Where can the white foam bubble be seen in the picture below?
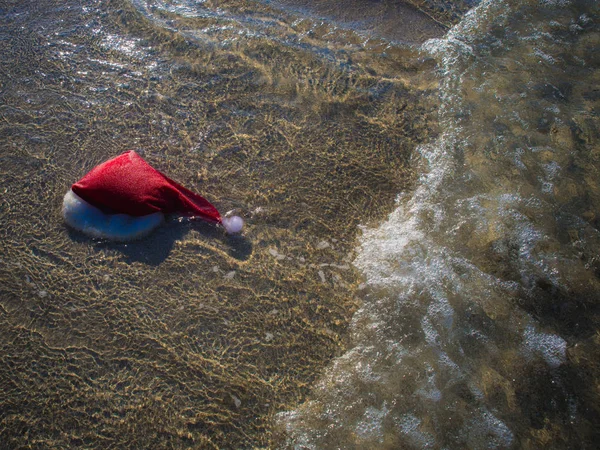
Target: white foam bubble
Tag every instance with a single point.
(409, 425)
(489, 429)
(88, 219)
(552, 348)
(369, 427)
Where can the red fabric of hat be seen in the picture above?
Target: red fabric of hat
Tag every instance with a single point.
(129, 185)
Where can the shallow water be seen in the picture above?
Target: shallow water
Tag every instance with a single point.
(466, 319)
(188, 337)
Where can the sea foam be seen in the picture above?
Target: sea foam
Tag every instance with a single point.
(473, 282)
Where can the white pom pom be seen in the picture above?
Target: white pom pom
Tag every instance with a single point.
(233, 224)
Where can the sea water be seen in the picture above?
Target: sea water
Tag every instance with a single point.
(481, 289)
(419, 263)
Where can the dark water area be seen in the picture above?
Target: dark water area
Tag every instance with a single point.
(419, 267)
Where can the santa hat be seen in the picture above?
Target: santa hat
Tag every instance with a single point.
(128, 191)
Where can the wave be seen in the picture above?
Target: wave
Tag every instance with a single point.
(482, 286)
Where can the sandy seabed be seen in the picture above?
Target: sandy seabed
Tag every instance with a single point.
(189, 337)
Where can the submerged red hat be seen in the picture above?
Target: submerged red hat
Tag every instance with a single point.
(129, 185)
